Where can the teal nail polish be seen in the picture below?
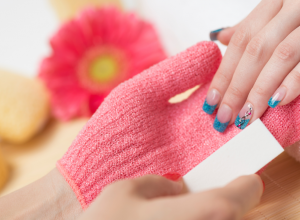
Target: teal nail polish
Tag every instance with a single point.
(221, 127)
(211, 101)
(213, 35)
(241, 123)
(223, 118)
(272, 103)
(209, 109)
(277, 97)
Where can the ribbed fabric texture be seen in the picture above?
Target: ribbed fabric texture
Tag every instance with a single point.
(137, 132)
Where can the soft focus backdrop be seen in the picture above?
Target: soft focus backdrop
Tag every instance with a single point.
(26, 26)
(25, 30)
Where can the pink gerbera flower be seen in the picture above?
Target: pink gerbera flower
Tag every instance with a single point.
(92, 54)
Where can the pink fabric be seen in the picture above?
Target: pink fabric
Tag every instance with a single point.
(137, 132)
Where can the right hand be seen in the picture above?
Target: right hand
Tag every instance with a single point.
(155, 197)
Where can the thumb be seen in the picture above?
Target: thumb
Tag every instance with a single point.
(152, 186)
(244, 193)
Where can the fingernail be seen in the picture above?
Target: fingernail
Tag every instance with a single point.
(244, 116)
(172, 176)
(223, 118)
(213, 35)
(211, 101)
(277, 97)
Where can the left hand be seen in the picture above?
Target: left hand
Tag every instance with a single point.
(261, 64)
(155, 197)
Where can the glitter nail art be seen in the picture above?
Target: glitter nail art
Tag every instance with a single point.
(220, 126)
(244, 116)
(209, 109)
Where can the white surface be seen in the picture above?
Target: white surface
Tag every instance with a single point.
(25, 26)
(183, 23)
(245, 154)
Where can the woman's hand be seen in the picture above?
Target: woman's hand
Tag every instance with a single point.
(155, 197)
(261, 64)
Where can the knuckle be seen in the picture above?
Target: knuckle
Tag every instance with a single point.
(285, 51)
(223, 78)
(255, 47)
(241, 37)
(235, 91)
(260, 90)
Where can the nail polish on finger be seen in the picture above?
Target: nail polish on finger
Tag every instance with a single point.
(277, 97)
(211, 101)
(244, 116)
(172, 176)
(223, 118)
(213, 35)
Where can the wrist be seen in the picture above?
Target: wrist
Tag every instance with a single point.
(47, 198)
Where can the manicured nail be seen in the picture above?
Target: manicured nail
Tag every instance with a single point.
(213, 35)
(211, 101)
(223, 118)
(244, 116)
(277, 97)
(172, 176)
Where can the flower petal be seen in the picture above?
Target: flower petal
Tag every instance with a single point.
(68, 103)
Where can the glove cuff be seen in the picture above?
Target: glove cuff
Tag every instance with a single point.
(72, 185)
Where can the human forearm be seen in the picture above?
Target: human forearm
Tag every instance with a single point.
(47, 198)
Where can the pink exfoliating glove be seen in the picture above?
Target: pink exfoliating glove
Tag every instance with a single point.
(136, 131)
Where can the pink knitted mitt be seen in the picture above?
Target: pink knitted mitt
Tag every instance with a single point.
(136, 131)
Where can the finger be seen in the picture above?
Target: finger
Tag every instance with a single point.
(289, 90)
(278, 70)
(243, 194)
(229, 202)
(224, 34)
(248, 28)
(257, 54)
(152, 186)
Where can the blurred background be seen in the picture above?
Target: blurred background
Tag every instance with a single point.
(26, 26)
(40, 113)
(54, 74)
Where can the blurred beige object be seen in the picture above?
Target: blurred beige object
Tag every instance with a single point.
(67, 9)
(34, 159)
(3, 171)
(24, 107)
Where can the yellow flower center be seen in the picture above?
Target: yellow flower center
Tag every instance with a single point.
(104, 68)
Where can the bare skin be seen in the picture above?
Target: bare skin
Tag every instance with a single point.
(153, 197)
(50, 197)
(261, 65)
(148, 197)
